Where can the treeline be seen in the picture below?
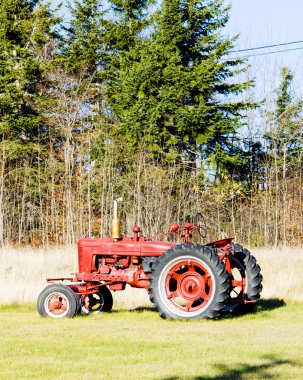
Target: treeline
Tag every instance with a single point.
(140, 100)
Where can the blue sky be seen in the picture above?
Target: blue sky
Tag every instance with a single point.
(267, 22)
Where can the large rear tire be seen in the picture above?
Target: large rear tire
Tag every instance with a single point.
(57, 301)
(253, 277)
(246, 279)
(189, 281)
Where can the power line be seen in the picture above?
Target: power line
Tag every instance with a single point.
(277, 51)
(268, 53)
(266, 46)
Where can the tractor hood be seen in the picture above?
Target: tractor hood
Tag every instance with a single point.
(125, 246)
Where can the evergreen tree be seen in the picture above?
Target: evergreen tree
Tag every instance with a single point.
(284, 136)
(26, 34)
(25, 28)
(123, 36)
(83, 62)
(178, 90)
(288, 124)
(130, 18)
(84, 46)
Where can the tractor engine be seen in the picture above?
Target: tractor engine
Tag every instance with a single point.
(122, 270)
(128, 260)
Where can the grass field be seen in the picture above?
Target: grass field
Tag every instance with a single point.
(138, 344)
(134, 342)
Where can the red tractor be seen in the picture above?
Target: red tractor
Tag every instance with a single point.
(184, 281)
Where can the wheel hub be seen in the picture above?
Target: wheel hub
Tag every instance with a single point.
(57, 304)
(191, 286)
(188, 286)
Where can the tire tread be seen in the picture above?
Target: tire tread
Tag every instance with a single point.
(208, 254)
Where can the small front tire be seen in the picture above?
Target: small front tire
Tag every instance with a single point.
(57, 301)
(97, 302)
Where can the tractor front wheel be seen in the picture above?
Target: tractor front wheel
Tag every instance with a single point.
(188, 282)
(57, 301)
(97, 302)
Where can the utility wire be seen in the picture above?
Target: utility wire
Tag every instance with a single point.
(268, 53)
(277, 51)
(266, 46)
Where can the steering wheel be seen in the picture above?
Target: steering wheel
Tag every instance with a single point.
(200, 223)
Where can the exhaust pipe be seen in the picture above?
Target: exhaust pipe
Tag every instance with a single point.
(116, 231)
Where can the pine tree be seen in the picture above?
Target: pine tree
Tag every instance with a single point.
(178, 90)
(288, 119)
(124, 34)
(285, 133)
(213, 84)
(130, 18)
(26, 29)
(83, 64)
(138, 101)
(84, 46)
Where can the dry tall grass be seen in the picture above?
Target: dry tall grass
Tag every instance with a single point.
(23, 273)
(282, 270)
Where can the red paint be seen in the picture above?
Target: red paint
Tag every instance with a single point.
(220, 243)
(103, 262)
(174, 227)
(188, 286)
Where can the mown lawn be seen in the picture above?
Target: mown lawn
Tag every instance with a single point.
(138, 344)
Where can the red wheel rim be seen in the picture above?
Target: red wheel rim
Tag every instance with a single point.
(238, 279)
(56, 305)
(187, 286)
(92, 303)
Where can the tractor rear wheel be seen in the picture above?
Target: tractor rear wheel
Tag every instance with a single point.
(97, 302)
(253, 276)
(246, 279)
(57, 301)
(189, 281)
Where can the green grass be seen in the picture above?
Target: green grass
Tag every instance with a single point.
(138, 344)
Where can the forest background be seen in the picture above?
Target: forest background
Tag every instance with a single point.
(143, 101)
